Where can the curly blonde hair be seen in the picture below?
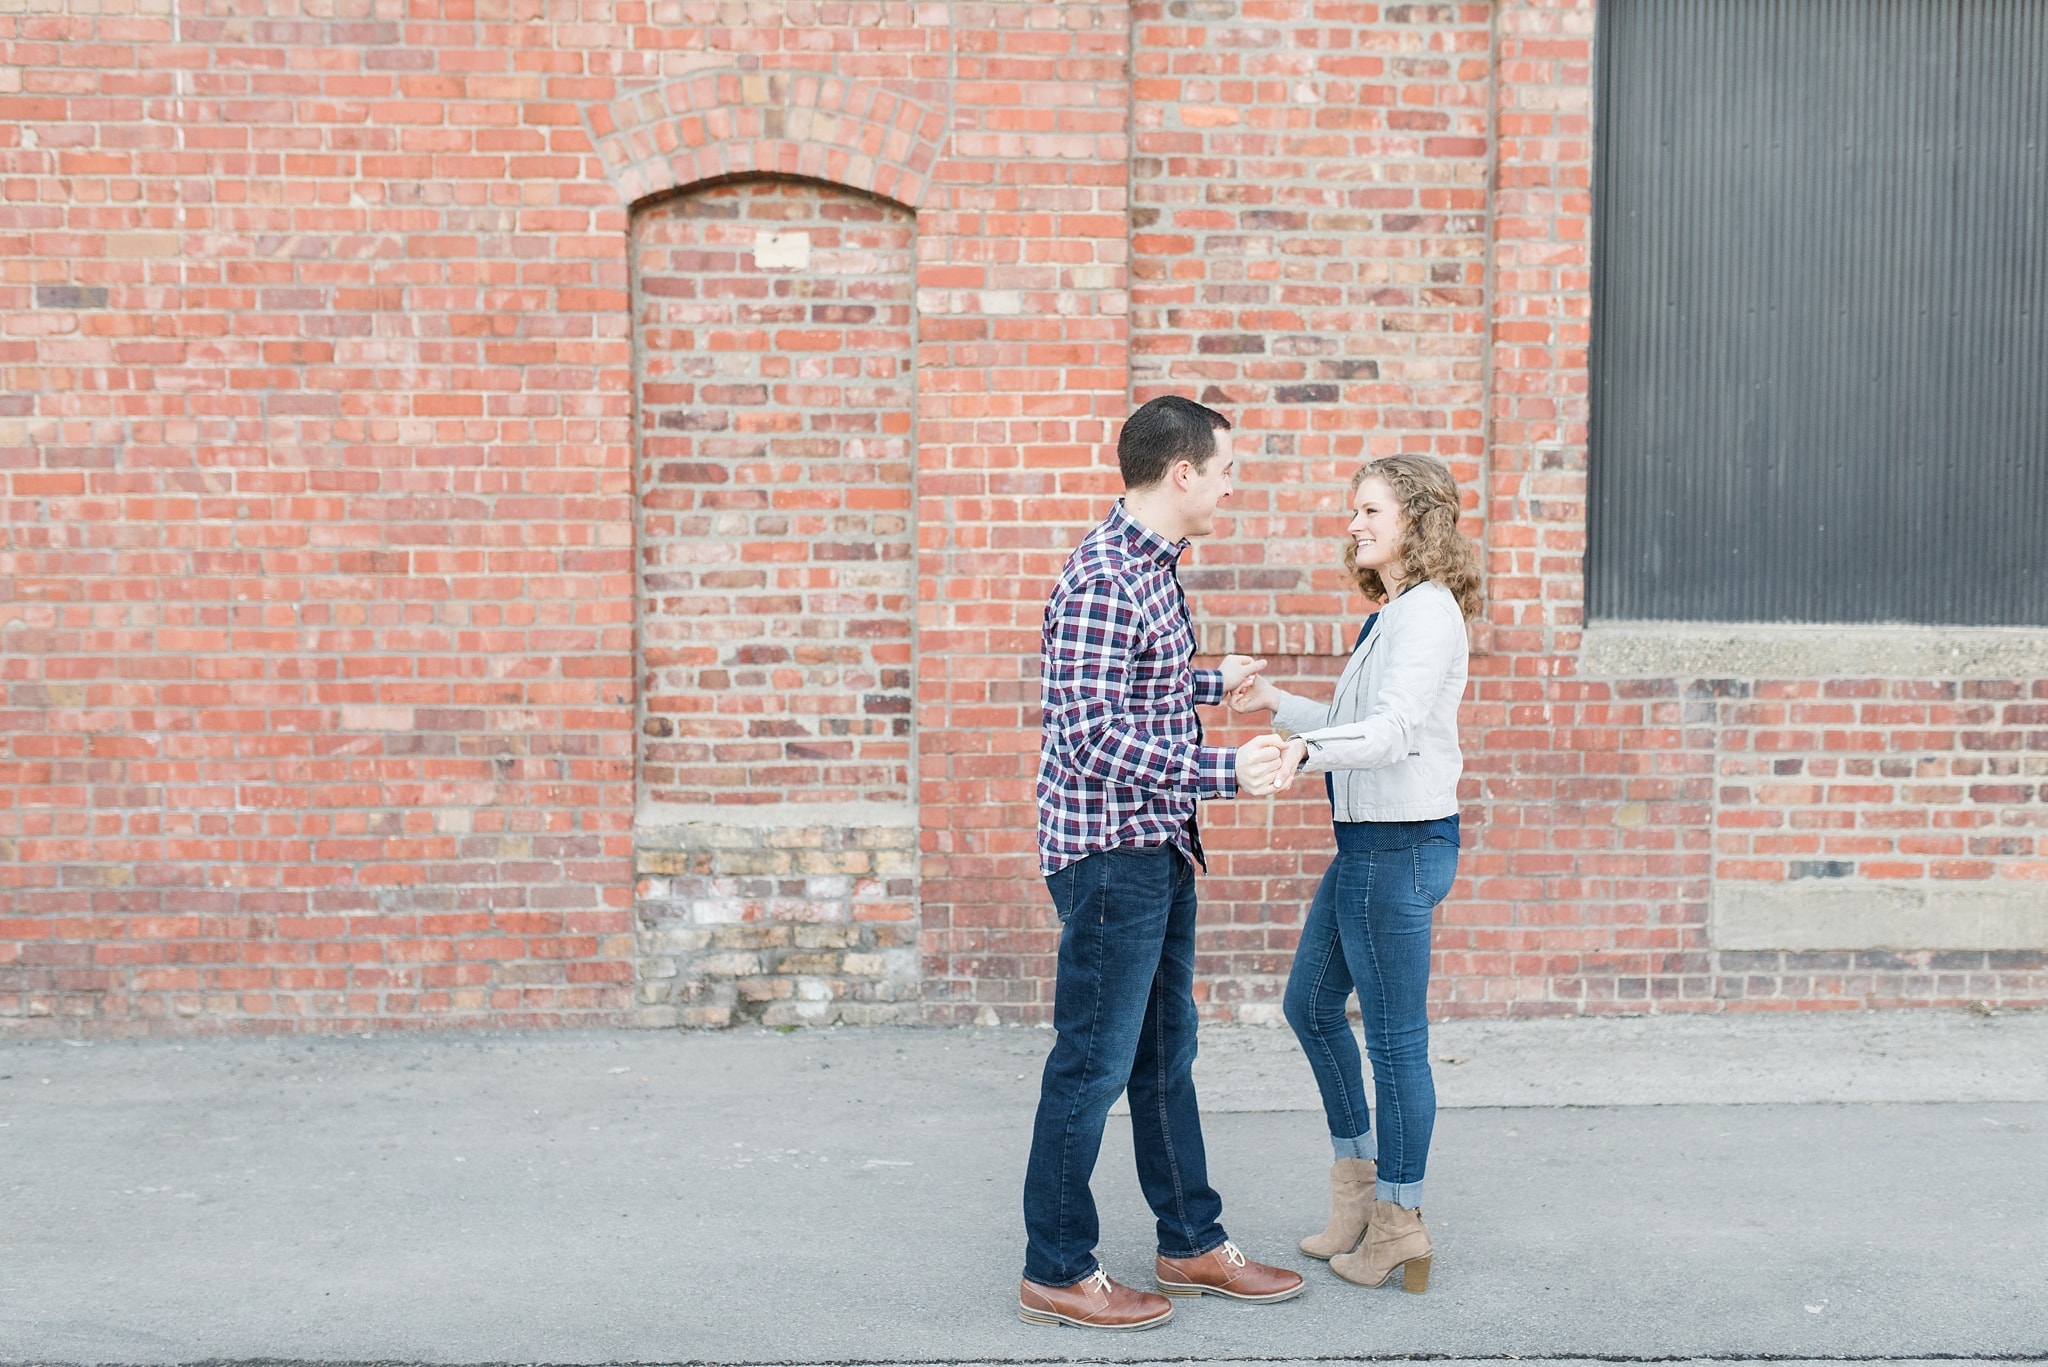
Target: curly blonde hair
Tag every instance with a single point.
(1432, 547)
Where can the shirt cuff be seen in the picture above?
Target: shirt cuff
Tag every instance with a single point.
(1208, 687)
(1215, 771)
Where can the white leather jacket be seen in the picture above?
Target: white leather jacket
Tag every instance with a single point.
(1390, 735)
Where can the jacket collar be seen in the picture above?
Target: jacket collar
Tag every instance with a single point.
(1359, 654)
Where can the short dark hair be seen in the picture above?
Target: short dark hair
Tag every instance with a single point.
(1166, 430)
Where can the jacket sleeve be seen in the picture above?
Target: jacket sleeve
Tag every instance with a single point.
(1087, 681)
(1420, 652)
(1299, 714)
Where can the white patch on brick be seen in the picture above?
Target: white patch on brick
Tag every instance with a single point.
(368, 717)
(718, 912)
(782, 251)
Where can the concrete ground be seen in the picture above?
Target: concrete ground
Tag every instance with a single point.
(1868, 1186)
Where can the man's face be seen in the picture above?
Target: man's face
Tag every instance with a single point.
(1200, 490)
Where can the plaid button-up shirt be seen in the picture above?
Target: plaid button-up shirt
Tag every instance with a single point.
(1121, 761)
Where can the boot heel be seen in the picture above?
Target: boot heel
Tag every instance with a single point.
(1176, 1289)
(1415, 1275)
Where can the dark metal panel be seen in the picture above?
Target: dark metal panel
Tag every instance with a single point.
(1820, 339)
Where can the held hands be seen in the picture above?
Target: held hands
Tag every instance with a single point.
(1266, 764)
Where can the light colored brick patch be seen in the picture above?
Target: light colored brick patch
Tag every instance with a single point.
(781, 924)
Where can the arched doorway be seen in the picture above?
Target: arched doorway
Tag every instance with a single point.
(776, 560)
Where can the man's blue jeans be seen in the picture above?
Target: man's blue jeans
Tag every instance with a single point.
(1124, 1007)
(1368, 928)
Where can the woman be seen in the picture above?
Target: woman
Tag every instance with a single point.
(1388, 745)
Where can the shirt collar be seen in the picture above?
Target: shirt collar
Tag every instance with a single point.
(1142, 539)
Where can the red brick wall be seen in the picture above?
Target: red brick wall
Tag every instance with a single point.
(1308, 255)
(1543, 802)
(1910, 786)
(316, 608)
(1022, 377)
(317, 582)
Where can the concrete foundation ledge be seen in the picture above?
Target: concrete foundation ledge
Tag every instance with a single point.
(1810, 650)
(1812, 915)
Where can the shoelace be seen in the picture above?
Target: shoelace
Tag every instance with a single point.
(1100, 1281)
(1232, 1255)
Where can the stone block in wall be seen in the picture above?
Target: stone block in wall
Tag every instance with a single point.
(792, 917)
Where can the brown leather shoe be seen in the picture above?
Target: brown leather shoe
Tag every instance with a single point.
(1225, 1271)
(1094, 1302)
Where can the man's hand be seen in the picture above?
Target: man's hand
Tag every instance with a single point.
(1260, 761)
(1253, 695)
(1238, 668)
(1267, 764)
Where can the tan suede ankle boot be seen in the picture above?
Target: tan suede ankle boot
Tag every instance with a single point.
(1394, 1237)
(1351, 1188)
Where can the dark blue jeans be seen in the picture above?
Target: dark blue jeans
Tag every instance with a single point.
(1368, 929)
(1124, 1007)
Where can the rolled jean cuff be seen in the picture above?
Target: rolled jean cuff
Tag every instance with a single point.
(1366, 1146)
(1407, 1194)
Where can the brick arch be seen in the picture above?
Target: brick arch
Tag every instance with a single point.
(716, 124)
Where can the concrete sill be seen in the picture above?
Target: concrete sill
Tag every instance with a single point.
(1810, 650)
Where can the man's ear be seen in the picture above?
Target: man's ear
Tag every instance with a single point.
(1180, 472)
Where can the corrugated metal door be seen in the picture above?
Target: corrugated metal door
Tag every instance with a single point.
(1820, 342)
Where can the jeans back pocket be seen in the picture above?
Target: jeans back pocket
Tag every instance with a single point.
(1436, 868)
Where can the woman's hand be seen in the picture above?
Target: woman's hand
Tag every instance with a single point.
(1291, 756)
(1254, 695)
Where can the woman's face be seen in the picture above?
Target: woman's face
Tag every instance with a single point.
(1377, 527)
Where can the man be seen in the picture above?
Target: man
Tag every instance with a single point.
(1121, 768)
